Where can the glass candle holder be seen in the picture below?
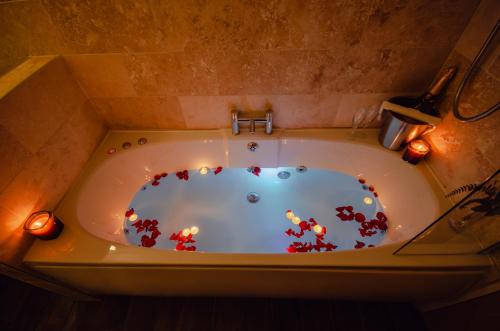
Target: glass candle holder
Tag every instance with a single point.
(416, 151)
(43, 225)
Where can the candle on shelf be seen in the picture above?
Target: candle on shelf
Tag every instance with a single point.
(43, 225)
(416, 151)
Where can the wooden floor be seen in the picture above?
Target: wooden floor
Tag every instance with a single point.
(23, 307)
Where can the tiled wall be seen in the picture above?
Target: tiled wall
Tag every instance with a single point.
(466, 153)
(48, 130)
(179, 64)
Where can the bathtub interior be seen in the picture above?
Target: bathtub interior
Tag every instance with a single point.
(255, 210)
(406, 195)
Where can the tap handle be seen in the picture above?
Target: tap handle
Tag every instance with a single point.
(269, 121)
(234, 122)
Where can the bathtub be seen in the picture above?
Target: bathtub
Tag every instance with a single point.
(241, 248)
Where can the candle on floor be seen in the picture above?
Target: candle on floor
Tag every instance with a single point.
(43, 225)
(416, 151)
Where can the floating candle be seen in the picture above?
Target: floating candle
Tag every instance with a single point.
(204, 170)
(318, 228)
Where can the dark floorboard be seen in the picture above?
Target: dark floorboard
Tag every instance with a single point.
(23, 307)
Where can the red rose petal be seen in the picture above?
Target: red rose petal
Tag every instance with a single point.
(155, 183)
(256, 171)
(381, 216)
(359, 244)
(129, 212)
(382, 226)
(359, 217)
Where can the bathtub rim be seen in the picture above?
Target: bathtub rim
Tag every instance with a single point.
(76, 246)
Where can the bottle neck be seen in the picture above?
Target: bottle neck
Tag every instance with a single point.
(438, 86)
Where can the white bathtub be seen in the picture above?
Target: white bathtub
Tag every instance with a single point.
(93, 253)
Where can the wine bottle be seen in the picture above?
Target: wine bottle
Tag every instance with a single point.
(426, 103)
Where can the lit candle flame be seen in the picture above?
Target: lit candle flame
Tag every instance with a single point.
(194, 230)
(367, 200)
(318, 228)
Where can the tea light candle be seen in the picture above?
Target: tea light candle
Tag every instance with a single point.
(416, 151)
(43, 225)
(204, 170)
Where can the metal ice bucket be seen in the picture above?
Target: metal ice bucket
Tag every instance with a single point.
(397, 130)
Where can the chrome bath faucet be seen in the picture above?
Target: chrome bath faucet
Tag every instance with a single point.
(252, 119)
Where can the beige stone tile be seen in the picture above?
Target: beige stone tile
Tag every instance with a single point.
(360, 70)
(417, 23)
(41, 104)
(178, 73)
(12, 238)
(141, 112)
(297, 111)
(254, 72)
(185, 24)
(289, 111)
(48, 174)
(44, 37)
(14, 37)
(14, 156)
(88, 129)
(104, 26)
(234, 25)
(328, 24)
(417, 69)
(208, 112)
(455, 157)
(102, 75)
(16, 243)
(22, 72)
(479, 27)
(302, 72)
(358, 102)
(373, 70)
(494, 68)
(480, 94)
(272, 72)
